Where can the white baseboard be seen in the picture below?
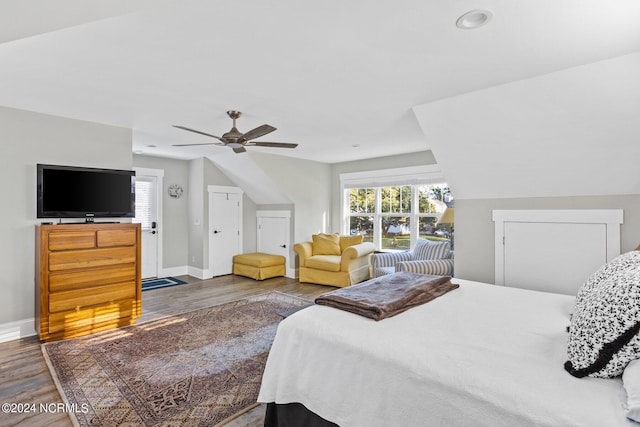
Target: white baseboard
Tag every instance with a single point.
(174, 271)
(199, 273)
(18, 329)
(204, 274)
(291, 273)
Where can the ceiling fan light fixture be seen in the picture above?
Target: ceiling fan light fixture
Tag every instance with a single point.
(474, 19)
(237, 140)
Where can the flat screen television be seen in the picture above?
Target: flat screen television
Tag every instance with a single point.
(80, 192)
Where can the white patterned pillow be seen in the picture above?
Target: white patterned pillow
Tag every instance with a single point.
(426, 249)
(603, 337)
(621, 262)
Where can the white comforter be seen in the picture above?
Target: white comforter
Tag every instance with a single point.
(479, 355)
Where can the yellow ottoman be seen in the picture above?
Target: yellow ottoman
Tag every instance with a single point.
(258, 265)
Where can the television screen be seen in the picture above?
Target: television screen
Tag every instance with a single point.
(79, 192)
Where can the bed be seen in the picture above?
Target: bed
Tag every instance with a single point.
(479, 355)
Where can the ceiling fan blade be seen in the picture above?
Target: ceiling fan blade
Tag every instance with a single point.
(197, 131)
(272, 144)
(258, 132)
(205, 143)
(239, 150)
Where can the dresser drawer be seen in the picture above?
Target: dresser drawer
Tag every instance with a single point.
(84, 279)
(90, 320)
(72, 240)
(82, 298)
(69, 260)
(122, 237)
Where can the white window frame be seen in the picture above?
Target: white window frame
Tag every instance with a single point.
(413, 176)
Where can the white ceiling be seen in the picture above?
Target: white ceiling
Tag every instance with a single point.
(338, 77)
(569, 133)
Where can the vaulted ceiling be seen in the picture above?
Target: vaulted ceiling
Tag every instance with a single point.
(338, 78)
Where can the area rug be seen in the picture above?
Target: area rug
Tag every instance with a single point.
(195, 369)
(163, 282)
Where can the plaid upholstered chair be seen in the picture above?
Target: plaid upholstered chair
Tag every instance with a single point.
(426, 258)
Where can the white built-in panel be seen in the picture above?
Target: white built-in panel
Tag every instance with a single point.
(554, 250)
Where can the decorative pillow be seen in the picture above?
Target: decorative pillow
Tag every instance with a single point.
(603, 337)
(631, 383)
(326, 244)
(426, 249)
(346, 241)
(621, 262)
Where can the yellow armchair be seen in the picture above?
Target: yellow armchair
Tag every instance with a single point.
(334, 260)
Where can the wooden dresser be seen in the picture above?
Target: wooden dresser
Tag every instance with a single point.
(87, 278)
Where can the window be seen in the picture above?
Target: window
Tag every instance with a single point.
(145, 202)
(393, 216)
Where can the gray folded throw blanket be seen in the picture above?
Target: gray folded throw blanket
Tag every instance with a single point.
(388, 295)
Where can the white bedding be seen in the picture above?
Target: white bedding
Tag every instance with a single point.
(479, 355)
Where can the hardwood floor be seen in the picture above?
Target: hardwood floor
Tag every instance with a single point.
(25, 378)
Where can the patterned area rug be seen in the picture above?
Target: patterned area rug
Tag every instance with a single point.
(195, 369)
(163, 282)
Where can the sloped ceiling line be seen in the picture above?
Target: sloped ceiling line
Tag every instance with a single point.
(249, 176)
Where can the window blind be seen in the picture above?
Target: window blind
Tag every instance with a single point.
(144, 204)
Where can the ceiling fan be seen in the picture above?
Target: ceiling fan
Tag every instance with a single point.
(238, 140)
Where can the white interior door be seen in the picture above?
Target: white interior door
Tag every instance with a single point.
(225, 230)
(147, 216)
(273, 234)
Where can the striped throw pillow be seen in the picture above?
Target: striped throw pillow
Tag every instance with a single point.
(426, 249)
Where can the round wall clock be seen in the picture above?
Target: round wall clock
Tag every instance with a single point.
(175, 191)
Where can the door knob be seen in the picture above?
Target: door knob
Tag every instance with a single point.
(283, 246)
(153, 231)
(217, 231)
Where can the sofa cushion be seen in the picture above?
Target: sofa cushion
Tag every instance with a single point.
(324, 262)
(434, 267)
(326, 244)
(259, 259)
(383, 271)
(426, 249)
(346, 241)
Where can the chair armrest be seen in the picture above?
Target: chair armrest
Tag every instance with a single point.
(436, 267)
(304, 251)
(356, 251)
(353, 252)
(389, 259)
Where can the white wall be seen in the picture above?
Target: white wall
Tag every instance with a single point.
(195, 219)
(306, 183)
(474, 228)
(390, 162)
(26, 139)
(564, 140)
(175, 224)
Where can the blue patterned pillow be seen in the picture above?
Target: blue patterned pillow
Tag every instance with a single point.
(426, 249)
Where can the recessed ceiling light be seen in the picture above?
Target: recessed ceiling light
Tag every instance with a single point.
(474, 19)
